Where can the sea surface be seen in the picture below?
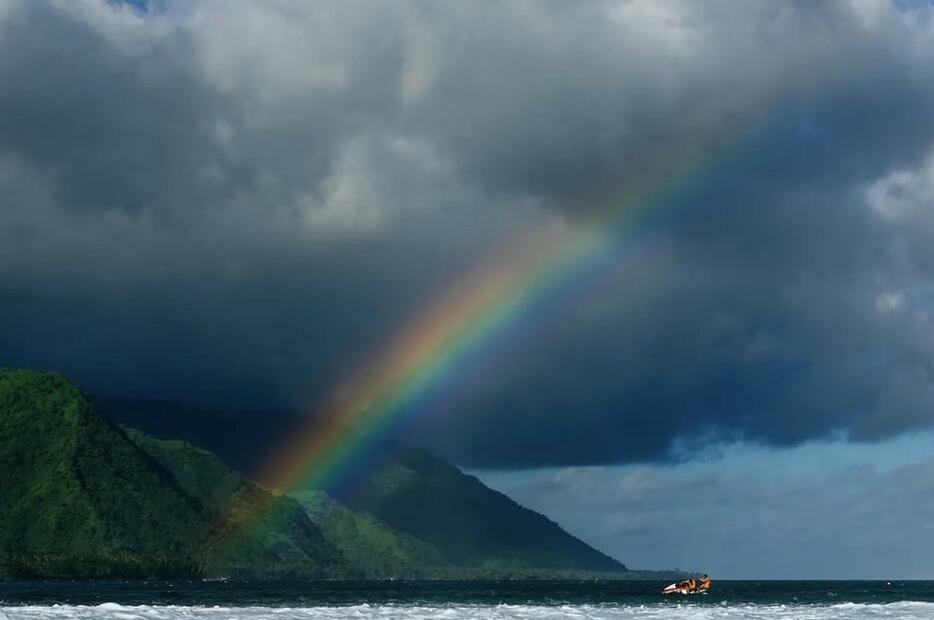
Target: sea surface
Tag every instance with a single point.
(816, 600)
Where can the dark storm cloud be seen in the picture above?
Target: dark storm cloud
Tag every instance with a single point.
(235, 203)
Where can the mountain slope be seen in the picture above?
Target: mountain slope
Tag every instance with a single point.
(374, 548)
(257, 534)
(80, 496)
(410, 494)
(71, 484)
(471, 525)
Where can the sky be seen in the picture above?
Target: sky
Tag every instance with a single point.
(236, 204)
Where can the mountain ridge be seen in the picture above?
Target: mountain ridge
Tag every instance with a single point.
(82, 496)
(112, 501)
(474, 527)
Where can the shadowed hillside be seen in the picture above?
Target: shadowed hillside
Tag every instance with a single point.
(471, 525)
(404, 494)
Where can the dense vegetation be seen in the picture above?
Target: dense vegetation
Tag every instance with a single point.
(80, 496)
(257, 534)
(374, 548)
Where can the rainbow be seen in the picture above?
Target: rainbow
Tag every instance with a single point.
(480, 310)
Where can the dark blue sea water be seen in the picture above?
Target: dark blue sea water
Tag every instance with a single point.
(500, 599)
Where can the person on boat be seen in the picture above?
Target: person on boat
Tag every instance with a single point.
(705, 582)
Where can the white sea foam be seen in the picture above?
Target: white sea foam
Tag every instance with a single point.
(843, 611)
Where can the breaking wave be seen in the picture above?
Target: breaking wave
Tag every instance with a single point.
(721, 611)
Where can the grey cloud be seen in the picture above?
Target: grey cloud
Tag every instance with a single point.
(235, 203)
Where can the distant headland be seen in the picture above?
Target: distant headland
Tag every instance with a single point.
(82, 496)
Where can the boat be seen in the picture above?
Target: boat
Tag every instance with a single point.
(702, 586)
(679, 588)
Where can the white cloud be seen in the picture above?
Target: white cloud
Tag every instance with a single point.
(890, 302)
(872, 12)
(375, 177)
(7, 7)
(422, 51)
(904, 193)
(121, 25)
(270, 50)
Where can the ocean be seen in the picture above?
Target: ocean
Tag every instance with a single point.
(813, 600)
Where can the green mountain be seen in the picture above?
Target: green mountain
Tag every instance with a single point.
(412, 515)
(472, 526)
(376, 550)
(81, 496)
(256, 534)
